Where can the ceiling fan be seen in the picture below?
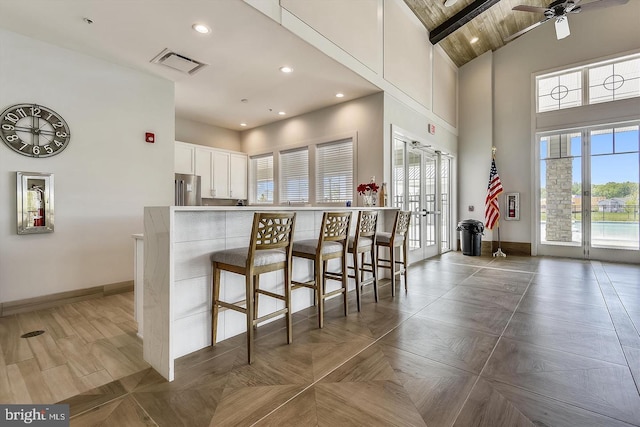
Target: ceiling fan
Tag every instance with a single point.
(560, 9)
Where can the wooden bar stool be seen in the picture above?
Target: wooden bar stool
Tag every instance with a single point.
(269, 250)
(364, 242)
(397, 238)
(331, 244)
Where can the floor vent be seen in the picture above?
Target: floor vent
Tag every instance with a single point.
(177, 62)
(31, 334)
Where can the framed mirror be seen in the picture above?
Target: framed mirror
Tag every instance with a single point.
(34, 202)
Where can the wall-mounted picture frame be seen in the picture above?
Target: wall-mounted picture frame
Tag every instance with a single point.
(512, 208)
(34, 202)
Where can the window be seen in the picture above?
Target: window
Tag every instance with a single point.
(262, 176)
(603, 82)
(294, 176)
(611, 82)
(559, 91)
(334, 172)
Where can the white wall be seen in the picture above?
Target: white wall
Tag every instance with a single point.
(103, 179)
(593, 35)
(383, 42)
(205, 134)
(445, 87)
(407, 53)
(476, 136)
(340, 20)
(363, 115)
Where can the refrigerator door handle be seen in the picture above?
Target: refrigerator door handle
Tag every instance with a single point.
(180, 186)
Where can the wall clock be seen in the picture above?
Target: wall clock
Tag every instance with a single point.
(33, 130)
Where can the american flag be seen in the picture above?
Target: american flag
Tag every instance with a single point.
(491, 207)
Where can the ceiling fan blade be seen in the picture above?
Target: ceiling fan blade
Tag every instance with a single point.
(521, 32)
(562, 27)
(599, 4)
(525, 8)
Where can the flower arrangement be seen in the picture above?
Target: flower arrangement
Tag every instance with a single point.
(368, 189)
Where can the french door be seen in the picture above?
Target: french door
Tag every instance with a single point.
(422, 185)
(588, 203)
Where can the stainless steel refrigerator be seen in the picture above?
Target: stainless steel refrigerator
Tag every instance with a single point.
(187, 190)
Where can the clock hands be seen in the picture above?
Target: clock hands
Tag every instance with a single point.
(35, 131)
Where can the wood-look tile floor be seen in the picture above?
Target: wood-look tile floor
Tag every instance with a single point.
(476, 341)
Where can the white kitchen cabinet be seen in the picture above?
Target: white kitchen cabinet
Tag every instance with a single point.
(204, 168)
(223, 173)
(238, 176)
(184, 160)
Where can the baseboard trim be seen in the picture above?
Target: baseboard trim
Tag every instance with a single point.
(488, 247)
(54, 300)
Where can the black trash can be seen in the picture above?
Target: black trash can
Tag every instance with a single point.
(471, 236)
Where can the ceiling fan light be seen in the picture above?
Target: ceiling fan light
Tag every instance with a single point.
(562, 27)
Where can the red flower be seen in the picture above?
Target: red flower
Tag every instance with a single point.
(371, 187)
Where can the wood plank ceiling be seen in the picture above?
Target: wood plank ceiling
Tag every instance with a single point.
(491, 26)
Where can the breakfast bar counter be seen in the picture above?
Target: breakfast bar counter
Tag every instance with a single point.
(177, 273)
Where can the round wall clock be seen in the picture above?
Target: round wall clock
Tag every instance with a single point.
(34, 130)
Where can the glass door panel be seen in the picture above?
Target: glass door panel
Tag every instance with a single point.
(588, 194)
(415, 173)
(561, 190)
(422, 185)
(445, 205)
(615, 168)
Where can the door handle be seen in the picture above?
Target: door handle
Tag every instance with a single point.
(426, 212)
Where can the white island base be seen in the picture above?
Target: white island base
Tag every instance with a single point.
(177, 274)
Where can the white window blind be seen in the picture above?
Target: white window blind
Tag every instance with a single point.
(294, 176)
(334, 172)
(262, 174)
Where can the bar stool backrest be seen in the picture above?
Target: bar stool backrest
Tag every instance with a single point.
(401, 225)
(272, 231)
(367, 225)
(335, 227)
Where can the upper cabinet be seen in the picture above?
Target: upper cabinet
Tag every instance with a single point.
(223, 173)
(184, 160)
(238, 167)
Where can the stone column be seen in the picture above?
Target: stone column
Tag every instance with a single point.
(559, 180)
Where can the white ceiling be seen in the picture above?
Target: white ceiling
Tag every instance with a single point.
(244, 52)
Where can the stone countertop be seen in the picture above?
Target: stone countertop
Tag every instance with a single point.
(274, 208)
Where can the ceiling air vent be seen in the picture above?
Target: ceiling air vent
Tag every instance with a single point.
(177, 62)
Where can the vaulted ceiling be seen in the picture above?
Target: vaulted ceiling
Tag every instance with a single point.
(495, 22)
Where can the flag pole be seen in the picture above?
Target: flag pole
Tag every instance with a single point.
(499, 252)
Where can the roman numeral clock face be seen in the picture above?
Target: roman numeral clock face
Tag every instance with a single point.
(34, 130)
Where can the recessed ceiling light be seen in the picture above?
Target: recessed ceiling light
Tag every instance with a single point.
(474, 40)
(339, 95)
(449, 3)
(282, 113)
(243, 124)
(286, 69)
(201, 28)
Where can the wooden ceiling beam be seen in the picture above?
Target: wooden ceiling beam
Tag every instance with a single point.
(459, 19)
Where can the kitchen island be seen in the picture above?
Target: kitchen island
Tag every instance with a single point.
(177, 274)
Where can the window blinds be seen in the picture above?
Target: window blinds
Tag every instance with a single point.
(294, 176)
(334, 171)
(262, 173)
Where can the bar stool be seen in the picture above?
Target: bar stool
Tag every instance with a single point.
(364, 241)
(269, 250)
(397, 238)
(331, 244)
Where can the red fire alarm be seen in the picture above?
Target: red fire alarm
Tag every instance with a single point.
(150, 137)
